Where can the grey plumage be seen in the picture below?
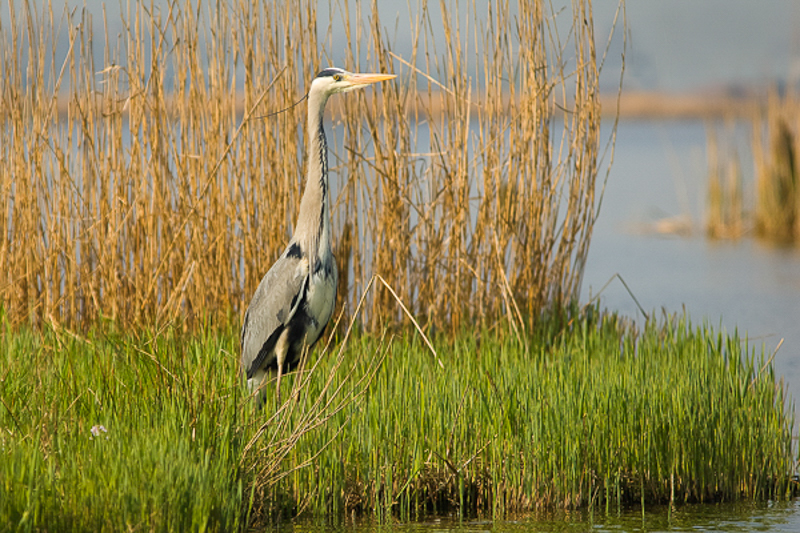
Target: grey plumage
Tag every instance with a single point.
(294, 301)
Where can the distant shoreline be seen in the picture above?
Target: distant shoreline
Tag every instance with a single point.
(649, 105)
(658, 105)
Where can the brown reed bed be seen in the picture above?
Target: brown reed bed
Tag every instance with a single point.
(726, 216)
(770, 209)
(160, 193)
(777, 215)
(657, 105)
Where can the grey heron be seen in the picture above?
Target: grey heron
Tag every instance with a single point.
(294, 301)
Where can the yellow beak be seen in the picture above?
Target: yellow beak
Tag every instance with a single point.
(366, 79)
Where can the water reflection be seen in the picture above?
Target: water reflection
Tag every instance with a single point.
(739, 517)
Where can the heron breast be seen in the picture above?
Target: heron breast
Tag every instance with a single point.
(321, 296)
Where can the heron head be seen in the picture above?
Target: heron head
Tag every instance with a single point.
(335, 80)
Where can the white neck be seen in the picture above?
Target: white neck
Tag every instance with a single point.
(313, 223)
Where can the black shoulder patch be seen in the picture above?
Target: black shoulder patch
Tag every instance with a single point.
(294, 251)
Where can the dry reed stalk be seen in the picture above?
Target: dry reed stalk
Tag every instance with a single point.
(160, 195)
(725, 218)
(777, 216)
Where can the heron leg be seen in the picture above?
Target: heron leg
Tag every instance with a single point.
(256, 386)
(278, 387)
(281, 349)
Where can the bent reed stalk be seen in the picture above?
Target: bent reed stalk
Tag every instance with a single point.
(139, 185)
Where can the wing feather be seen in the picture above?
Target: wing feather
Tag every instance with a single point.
(273, 305)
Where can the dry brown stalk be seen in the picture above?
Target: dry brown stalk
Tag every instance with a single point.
(777, 170)
(775, 143)
(156, 194)
(725, 218)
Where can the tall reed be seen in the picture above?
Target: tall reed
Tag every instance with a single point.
(142, 185)
(769, 207)
(777, 214)
(726, 215)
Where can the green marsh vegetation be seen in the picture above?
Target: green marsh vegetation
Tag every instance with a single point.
(153, 430)
(142, 201)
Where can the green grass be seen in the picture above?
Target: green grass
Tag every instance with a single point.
(591, 413)
(168, 457)
(596, 414)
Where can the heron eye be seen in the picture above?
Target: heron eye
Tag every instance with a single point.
(337, 77)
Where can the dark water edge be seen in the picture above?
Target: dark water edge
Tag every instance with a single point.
(730, 517)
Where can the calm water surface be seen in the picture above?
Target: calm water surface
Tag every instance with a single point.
(777, 517)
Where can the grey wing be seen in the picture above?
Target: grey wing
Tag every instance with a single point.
(274, 303)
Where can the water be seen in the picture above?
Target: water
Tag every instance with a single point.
(774, 517)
